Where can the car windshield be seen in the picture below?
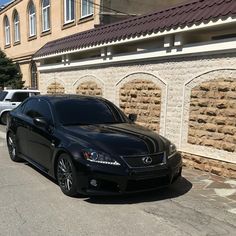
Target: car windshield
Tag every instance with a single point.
(85, 111)
(3, 94)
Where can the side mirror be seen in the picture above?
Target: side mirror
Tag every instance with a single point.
(133, 117)
(40, 122)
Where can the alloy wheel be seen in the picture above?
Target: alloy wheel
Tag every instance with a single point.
(65, 174)
(12, 147)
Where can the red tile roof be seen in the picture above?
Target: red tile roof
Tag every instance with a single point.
(187, 14)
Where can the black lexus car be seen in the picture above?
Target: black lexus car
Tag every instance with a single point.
(90, 146)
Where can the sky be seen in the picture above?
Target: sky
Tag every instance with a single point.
(4, 1)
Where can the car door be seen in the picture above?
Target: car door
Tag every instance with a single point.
(23, 127)
(40, 140)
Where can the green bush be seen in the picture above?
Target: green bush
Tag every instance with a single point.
(10, 75)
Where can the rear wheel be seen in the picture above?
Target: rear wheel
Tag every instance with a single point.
(4, 118)
(12, 147)
(66, 175)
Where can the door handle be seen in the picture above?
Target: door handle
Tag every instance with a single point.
(13, 104)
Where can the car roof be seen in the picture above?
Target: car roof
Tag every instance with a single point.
(56, 98)
(21, 90)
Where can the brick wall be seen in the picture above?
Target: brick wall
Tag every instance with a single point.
(55, 88)
(180, 83)
(213, 114)
(142, 97)
(210, 165)
(89, 88)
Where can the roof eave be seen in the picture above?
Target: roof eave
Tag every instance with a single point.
(212, 23)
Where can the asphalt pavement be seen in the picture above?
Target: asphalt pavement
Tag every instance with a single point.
(32, 204)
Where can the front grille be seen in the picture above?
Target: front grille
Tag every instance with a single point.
(137, 161)
(136, 185)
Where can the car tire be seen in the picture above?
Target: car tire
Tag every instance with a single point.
(4, 118)
(66, 175)
(12, 147)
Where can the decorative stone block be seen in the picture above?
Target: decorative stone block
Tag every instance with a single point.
(214, 166)
(55, 88)
(89, 88)
(142, 97)
(212, 109)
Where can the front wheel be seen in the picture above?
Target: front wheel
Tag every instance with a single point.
(12, 147)
(66, 175)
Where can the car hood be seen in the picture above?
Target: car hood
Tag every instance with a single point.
(119, 139)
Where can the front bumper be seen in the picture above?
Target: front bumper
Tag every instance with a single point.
(120, 180)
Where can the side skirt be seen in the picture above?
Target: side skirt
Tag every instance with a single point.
(36, 164)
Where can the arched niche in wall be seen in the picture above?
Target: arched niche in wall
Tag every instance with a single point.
(209, 111)
(88, 85)
(142, 94)
(55, 88)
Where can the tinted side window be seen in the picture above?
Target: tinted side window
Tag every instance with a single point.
(37, 108)
(19, 97)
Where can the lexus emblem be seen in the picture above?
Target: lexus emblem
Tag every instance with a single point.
(147, 160)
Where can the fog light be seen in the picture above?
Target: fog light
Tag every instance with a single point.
(94, 182)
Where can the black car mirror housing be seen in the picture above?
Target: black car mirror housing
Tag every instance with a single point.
(133, 117)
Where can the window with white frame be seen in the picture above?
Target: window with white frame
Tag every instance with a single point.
(45, 15)
(86, 8)
(16, 27)
(69, 10)
(32, 20)
(7, 31)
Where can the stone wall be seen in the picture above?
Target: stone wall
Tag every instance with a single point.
(179, 82)
(210, 165)
(89, 88)
(142, 97)
(55, 88)
(213, 114)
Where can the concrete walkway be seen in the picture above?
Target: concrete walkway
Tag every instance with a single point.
(213, 188)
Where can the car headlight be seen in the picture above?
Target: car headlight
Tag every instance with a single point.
(172, 150)
(99, 157)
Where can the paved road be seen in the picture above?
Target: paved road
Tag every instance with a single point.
(31, 204)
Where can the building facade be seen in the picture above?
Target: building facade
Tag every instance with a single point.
(27, 25)
(174, 68)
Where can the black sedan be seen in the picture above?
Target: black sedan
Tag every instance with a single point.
(89, 146)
